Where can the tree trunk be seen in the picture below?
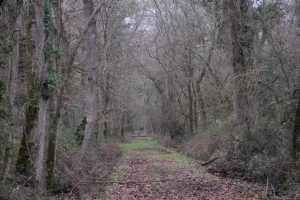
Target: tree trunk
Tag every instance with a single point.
(122, 128)
(68, 60)
(240, 31)
(200, 100)
(296, 133)
(31, 152)
(106, 101)
(7, 152)
(191, 114)
(203, 120)
(51, 150)
(164, 115)
(105, 130)
(39, 36)
(39, 162)
(11, 96)
(195, 107)
(90, 78)
(28, 149)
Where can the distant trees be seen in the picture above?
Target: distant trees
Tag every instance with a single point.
(229, 62)
(182, 50)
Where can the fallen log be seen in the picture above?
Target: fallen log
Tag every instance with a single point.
(209, 162)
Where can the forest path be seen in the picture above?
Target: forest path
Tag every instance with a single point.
(149, 171)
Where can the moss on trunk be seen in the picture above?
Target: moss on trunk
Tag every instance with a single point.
(24, 162)
(51, 151)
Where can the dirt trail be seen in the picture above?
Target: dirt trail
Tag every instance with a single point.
(150, 171)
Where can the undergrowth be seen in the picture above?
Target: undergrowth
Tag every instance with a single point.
(96, 165)
(260, 164)
(141, 143)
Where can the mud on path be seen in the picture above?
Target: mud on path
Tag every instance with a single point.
(150, 171)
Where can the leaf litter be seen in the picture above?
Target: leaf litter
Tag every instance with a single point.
(149, 175)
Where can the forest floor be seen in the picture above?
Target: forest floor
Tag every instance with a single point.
(148, 170)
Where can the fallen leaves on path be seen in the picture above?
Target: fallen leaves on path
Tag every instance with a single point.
(143, 174)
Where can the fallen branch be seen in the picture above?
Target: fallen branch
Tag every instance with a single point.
(210, 161)
(125, 182)
(141, 136)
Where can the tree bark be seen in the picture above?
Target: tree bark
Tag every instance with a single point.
(195, 107)
(239, 30)
(200, 100)
(9, 31)
(296, 133)
(69, 53)
(39, 36)
(51, 150)
(31, 152)
(122, 128)
(90, 78)
(164, 115)
(106, 100)
(11, 96)
(191, 114)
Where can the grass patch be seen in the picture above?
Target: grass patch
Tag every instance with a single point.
(141, 143)
(117, 175)
(174, 156)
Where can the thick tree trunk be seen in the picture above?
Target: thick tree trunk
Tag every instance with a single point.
(296, 132)
(24, 163)
(90, 78)
(240, 32)
(39, 36)
(10, 12)
(39, 162)
(31, 153)
(51, 150)
(11, 96)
